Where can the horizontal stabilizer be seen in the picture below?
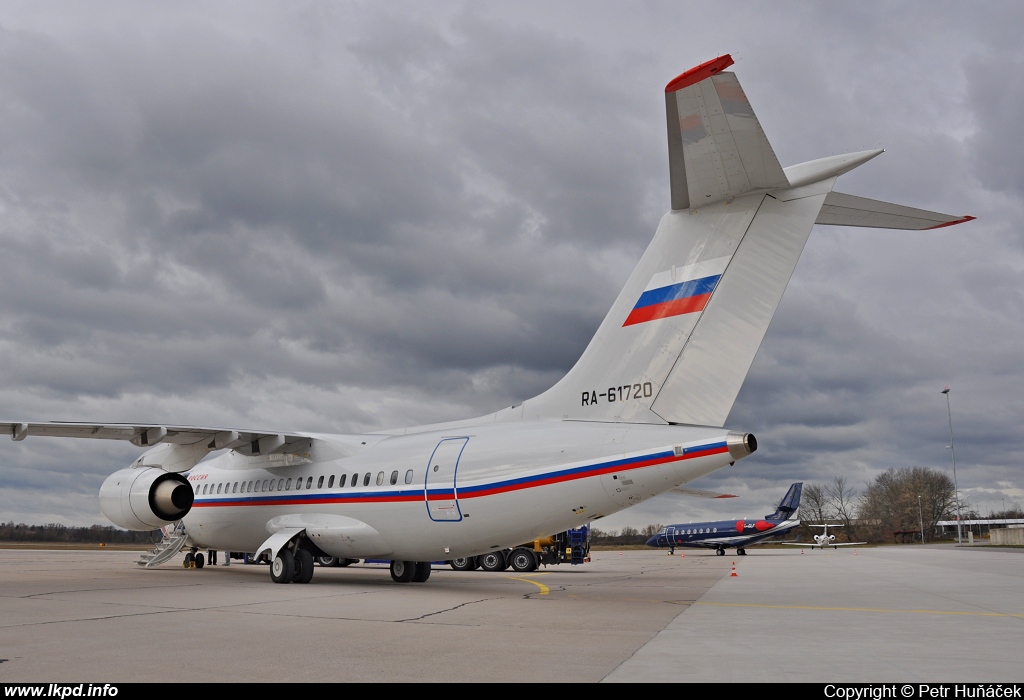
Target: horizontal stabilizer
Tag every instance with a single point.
(702, 494)
(847, 210)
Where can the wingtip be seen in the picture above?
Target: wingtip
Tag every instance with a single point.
(726, 495)
(699, 73)
(954, 222)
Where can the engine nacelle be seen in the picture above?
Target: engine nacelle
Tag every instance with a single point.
(145, 498)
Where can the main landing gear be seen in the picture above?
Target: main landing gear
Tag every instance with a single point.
(720, 551)
(194, 560)
(292, 566)
(410, 571)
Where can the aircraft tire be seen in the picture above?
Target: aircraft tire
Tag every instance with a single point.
(200, 560)
(493, 561)
(720, 552)
(523, 560)
(403, 571)
(327, 561)
(303, 567)
(190, 561)
(463, 564)
(282, 569)
(742, 552)
(422, 572)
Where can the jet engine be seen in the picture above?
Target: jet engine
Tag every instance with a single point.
(145, 498)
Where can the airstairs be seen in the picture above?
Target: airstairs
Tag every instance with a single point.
(172, 542)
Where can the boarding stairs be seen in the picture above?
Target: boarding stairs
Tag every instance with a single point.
(171, 543)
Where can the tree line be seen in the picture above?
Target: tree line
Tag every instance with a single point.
(92, 534)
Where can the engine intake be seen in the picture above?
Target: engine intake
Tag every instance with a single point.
(145, 498)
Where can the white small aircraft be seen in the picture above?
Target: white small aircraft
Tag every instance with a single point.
(824, 540)
(641, 412)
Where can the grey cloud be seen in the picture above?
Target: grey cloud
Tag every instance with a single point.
(349, 218)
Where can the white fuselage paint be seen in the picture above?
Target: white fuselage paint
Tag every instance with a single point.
(511, 485)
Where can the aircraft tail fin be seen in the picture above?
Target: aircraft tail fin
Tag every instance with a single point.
(717, 149)
(680, 338)
(790, 503)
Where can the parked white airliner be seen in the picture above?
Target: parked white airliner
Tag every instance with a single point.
(641, 412)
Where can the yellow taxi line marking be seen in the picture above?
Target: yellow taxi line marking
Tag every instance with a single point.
(544, 590)
(875, 610)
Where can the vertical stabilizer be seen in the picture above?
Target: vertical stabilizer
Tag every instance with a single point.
(789, 505)
(680, 338)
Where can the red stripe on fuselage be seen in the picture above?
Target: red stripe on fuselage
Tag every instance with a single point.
(476, 493)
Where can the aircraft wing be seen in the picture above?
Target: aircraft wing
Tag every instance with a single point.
(247, 442)
(847, 210)
(701, 494)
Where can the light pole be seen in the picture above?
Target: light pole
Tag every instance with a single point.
(952, 451)
(920, 514)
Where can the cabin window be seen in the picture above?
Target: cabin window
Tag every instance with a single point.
(298, 484)
(394, 478)
(366, 479)
(280, 485)
(271, 485)
(219, 487)
(355, 479)
(319, 482)
(204, 489)
(264, 485)
(248, 487)
(330, 481)
(714, 529)
(234, 487)
(288, 484)
(380, 478)
(408, 477)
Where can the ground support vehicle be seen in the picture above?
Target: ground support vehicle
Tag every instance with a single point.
(569, 547)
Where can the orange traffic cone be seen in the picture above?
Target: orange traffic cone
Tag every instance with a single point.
(733, 569)
(682, 555)
(801, 551)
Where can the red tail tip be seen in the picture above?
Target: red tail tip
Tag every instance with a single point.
(699, 73)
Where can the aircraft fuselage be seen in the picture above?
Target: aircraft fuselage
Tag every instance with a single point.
(441, 495)
(721, 533)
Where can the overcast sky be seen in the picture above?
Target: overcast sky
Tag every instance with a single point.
(344, 217)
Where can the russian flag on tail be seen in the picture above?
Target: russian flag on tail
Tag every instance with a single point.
(681, 290)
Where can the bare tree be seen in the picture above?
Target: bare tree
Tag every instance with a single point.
(815, 505)
(650, 531)
(842, 500)
(892, 499)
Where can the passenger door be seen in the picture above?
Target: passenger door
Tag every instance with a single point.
(440, 490)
